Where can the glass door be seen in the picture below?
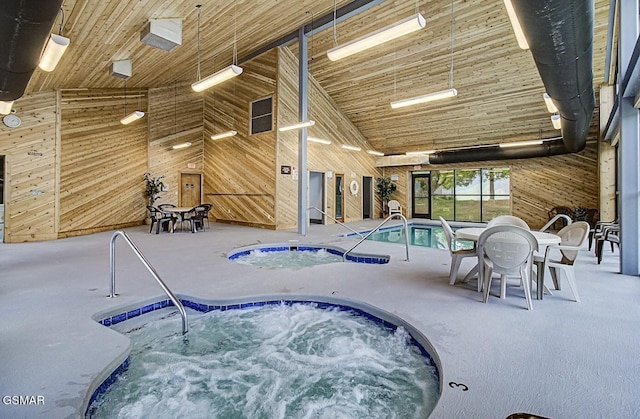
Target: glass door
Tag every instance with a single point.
(339, 198)
(420, 191)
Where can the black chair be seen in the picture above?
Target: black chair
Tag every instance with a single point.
(611, 234)
(195, 218)
(159, 218)
(207, 208)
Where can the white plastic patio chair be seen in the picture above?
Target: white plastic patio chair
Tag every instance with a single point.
(508, 220)
(508, 251)
(394, 207)
(562, 257)
(457, 253)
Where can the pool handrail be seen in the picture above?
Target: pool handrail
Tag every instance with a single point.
(339, 222)
(406, 234)
(150, 268)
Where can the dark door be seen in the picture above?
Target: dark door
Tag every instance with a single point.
(420, 191)
(339, 204)
(316, 197)
(367, 197)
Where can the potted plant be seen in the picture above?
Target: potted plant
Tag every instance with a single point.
(384, 188)
(154, 187)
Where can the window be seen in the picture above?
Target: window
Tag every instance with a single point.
(470, 194)
(261, 115)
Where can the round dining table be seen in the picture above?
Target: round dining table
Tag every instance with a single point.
(543, 238)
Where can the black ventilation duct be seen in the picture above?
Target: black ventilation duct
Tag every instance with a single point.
(560, 36)
(24, 29)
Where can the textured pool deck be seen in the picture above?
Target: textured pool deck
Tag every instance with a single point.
(561, 360)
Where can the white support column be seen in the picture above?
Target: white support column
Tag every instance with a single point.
(303, 89)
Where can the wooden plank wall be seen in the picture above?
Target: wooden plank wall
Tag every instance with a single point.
(101, 161)
(240, 171)
(175, 116)
(30, 158)
(331, 124)
(537, 185)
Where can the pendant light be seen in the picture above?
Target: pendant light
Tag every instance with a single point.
(443, 94)
(135, 115)
(223, 75)
(55, 48)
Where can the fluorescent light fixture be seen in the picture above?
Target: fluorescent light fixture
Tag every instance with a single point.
(182, 145)
(56, 46)
(515, 23)
(133, 116)
(424, 98)
(297, 126)
(351, 147)
(418, 153)
(520, 143)
(318, 140)
(555, 120)
(224, 135)
(375, 153)
(5, 107)
(551, 107)
(396, 30)
(216, 78)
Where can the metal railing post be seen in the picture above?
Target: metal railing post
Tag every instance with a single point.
(406, 235)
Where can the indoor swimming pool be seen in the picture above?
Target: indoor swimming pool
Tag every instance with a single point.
(272, 360)
(419, 235)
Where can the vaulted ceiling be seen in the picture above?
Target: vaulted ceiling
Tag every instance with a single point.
(499, 88)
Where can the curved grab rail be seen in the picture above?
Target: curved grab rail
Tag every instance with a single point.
(339, 222)
(406, 235)
(145, 262)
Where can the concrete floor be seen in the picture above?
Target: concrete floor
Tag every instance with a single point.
(561, 360)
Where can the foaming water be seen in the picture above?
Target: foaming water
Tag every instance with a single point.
(288, 259)
(287, 361)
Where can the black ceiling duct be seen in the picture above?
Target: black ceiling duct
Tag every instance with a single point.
(560, 37)
(24, 29)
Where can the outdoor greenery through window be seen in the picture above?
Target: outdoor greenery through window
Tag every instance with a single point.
(470, 194)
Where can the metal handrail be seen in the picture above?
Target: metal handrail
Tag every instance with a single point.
(147, 264)
(339, 222)
(406, 234)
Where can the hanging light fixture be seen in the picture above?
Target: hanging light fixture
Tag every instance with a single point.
(419, 153)
(396, 30)
(318, 140)
(55, 48)
(182, 145)
(225, 74)
(515, 23)
(450, 92)
(5, 107)
(555, 120)
(135, 115)
(351, 147)
(520, 143)
(551, 107)
(375, 153)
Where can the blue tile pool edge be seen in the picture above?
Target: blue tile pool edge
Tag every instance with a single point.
(302, 247)
(380, 317)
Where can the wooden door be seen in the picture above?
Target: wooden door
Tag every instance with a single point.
(190, 189)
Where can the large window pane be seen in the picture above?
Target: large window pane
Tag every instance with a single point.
(442, 206)
(468, 207)
(442, 182)
(468, 182)
(495, 181)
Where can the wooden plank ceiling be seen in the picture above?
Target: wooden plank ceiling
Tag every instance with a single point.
(499, 89)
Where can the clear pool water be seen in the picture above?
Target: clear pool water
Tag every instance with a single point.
(419, 235)
(279, 361)
(285, 259)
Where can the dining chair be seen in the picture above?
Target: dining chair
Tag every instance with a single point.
(457, 252)
(506, 250)
(159, 218)
(609, 234)
(562, 257)
(195, 218)
(508, 220)
(207, 208)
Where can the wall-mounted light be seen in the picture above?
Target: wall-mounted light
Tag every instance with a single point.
(551, 107)
(297, 126)
(351, 147)
(520, 143)
(396, 30)
(318, 140)
(5, 107)
(224, 135)
(375, 153)
(182, 145)
(555, 120)
(515, 23)
(419, 153)
(424, 98)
